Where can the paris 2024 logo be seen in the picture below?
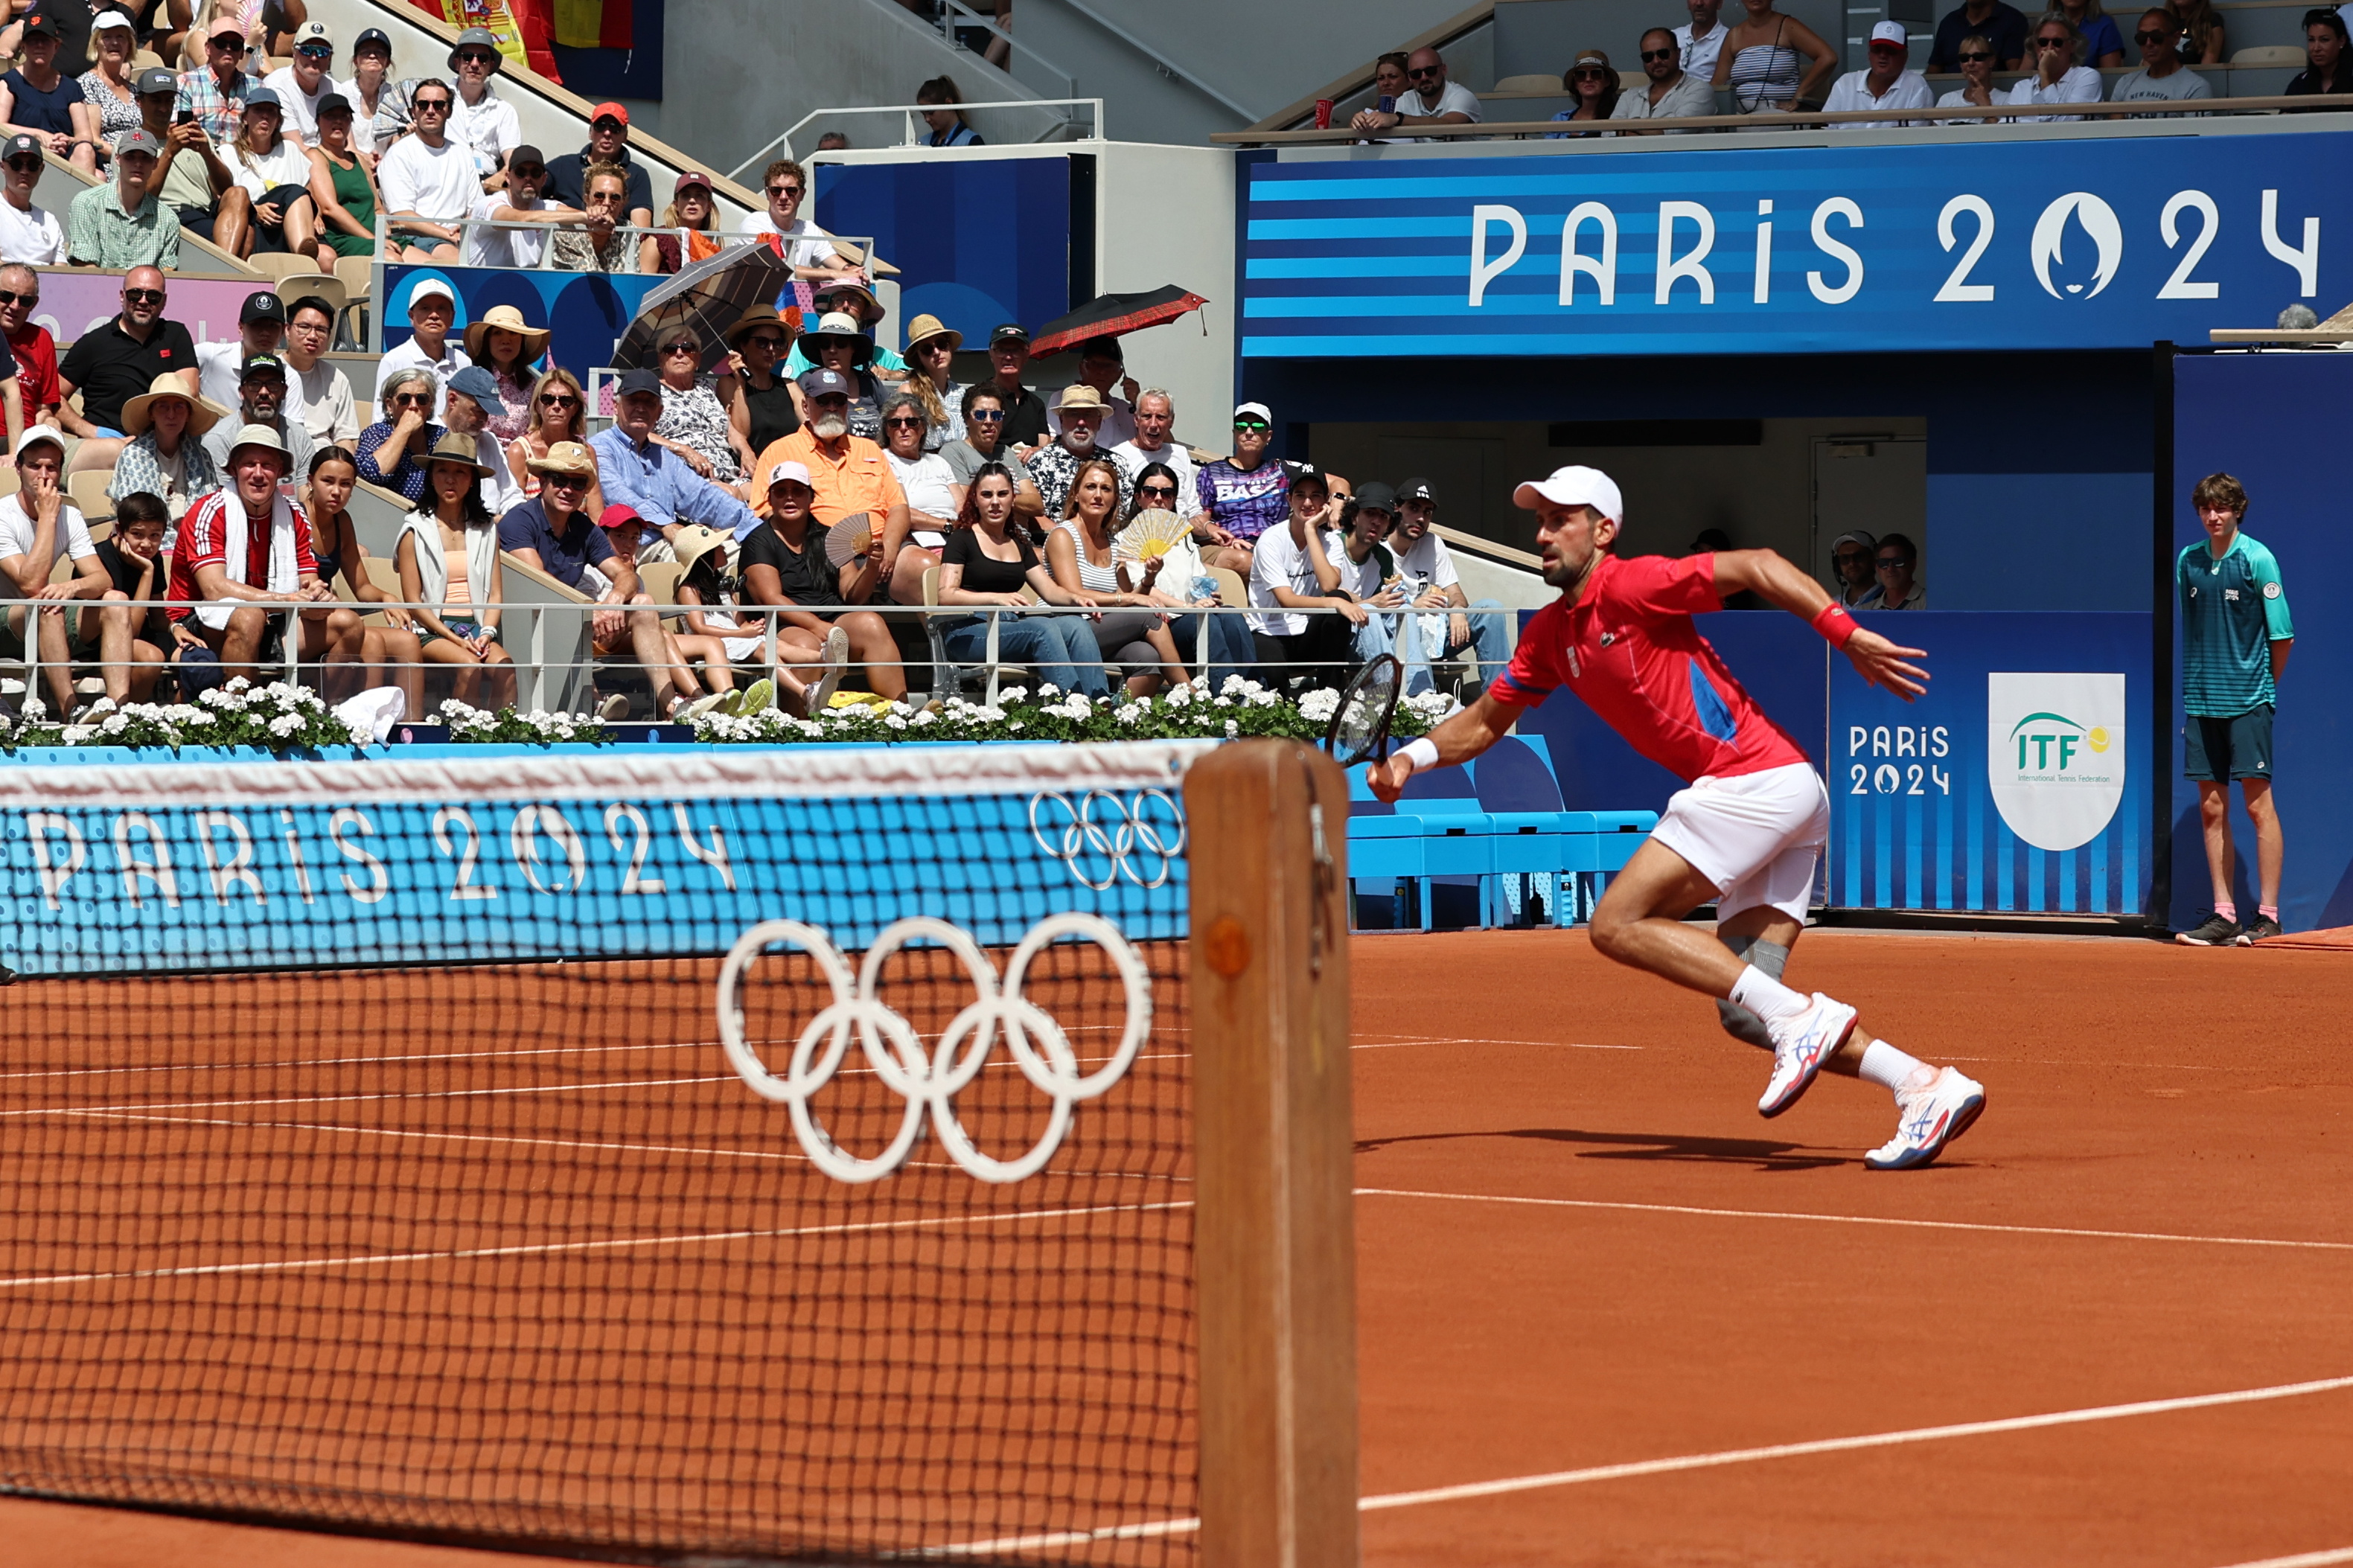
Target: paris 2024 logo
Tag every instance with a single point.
(2055, 754)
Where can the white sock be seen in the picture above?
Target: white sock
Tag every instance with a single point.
(1892, 1071)
(1767, 997)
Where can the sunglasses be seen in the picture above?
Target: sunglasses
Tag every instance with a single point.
(10, 297)
(1890, 563)
(784, 190)
(2050, 43)
(528, 171)
(2150, 37)
(1252, 425)
(679, 349)
(143, 296)
(26, 166)
(472, 57)
(1157, 492)
(557, 400)
(986, 416)
(413, 399)
(1588, 73)
(768, 340)
(564, 482)
(438, 105)
(1649, 54)
(1970, 56)
(1424, 70)
(316, 51)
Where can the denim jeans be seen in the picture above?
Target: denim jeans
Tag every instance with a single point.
(1060, 649)
(1230, 648)
(1487, 644)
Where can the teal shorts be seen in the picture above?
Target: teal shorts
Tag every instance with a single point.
(2221, 750)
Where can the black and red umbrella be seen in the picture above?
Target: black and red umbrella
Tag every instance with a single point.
(1112, 315)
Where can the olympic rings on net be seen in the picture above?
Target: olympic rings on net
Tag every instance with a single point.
(1039, 1047)
(1121, 846)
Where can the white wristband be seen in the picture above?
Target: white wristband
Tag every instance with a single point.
(1420, 753)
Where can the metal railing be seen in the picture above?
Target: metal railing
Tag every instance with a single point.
(856, 247)
(542, 672)
(911, 114)
(986, 22)
(1791, 120)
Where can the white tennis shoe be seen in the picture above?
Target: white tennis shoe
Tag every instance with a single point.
(1929, 1118)
(1800, 1045)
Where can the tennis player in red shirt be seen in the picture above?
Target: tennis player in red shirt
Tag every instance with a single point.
(1747, 830)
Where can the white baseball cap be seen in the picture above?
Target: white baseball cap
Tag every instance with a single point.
(35, 435)
(1891, 33)
(1256, 410)
(1574, 486)
(797, 472)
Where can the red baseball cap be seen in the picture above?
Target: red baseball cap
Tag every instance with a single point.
(609, 112)
(619, 515)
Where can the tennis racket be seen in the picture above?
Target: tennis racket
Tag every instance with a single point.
(1359, 731)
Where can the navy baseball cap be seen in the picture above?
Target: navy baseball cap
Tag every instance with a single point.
(20, 144)
(477, 384)
(826, 384)
(372, 35)
(262, 306)
(634, 380)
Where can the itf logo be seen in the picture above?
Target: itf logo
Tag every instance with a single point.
(2055, 754)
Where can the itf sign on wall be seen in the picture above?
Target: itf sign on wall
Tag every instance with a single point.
(2106, 243)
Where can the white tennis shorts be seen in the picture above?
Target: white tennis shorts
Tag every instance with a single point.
(1757, 837)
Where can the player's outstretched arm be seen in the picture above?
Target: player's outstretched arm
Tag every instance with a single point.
(1457, 740)
(1877, 658)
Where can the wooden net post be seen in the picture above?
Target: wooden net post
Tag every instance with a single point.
(1275, 1241)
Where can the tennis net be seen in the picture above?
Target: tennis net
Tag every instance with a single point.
(768, 1153)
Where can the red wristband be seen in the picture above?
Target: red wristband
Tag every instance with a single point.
(1835, 624)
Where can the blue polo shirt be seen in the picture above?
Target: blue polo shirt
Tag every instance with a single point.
(561, 556)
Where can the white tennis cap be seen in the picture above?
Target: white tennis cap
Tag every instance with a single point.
(1891, 33)
(1257, 410)
(1574, 486)
(797, 472)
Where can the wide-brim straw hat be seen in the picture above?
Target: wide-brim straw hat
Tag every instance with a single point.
(924, 328)
(565, 457)
(694, 542)
(203, 411)
(507, 319)
(758, 316)
(453, 448)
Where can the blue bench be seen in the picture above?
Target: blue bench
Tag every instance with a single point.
(1496, 827)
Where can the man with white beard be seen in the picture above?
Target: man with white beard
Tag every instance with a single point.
(852, 480)
(1083, 410)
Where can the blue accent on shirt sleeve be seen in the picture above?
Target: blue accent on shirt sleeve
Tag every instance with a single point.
(1708, 703)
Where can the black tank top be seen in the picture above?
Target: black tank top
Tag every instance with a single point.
(773, 415)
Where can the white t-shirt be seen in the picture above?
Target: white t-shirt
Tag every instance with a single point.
(500, 490)
(1699, 57)
(1957, 99)
(1134, 459)
(1426, 565)
(33, 237)
(1362, 578)
(489, 128)
(806, 244)
(410, 355)
(2139, 87)
(328, 410)
(1276, 561)
(301, 109)
(219, 368)
(1851, 93)
(258, 174)
(2080, 85)
(504, 246)
(926, 482)
(1454, 98)
(436, 184)
(17, 535)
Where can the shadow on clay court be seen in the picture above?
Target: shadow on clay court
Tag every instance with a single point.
(1756, 1154)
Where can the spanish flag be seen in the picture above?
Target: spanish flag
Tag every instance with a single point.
(593, 24)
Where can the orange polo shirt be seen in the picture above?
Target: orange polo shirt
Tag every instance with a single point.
(859, 480)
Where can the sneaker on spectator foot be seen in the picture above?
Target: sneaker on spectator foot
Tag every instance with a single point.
(758, 696)
(2216, 932)
(1928, 1121)
(2263, 926)
(613, 709)
(717, 702)
(1800, 1045)
(837, 665)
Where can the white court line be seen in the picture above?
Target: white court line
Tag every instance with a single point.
(599, 1146)
(1862, 1219)
(1848, 1445)
(1473, 1041)
(693, 1238)
(2302, 1560)
(1735, 1457)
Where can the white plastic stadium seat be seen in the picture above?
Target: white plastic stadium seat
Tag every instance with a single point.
(1530, 84)
(2269, 54)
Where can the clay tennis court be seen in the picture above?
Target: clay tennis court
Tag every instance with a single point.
(1580, 1249)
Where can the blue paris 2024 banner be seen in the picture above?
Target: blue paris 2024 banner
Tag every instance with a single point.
(2110, 242)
